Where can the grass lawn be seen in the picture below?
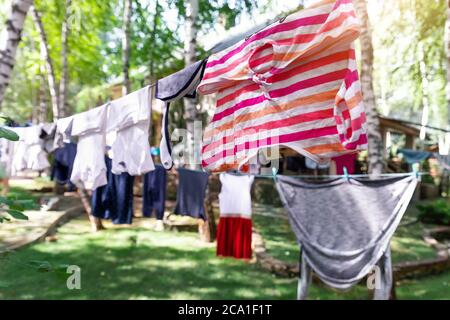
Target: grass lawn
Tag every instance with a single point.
(38, 183)
(137, 263)
(19, 193)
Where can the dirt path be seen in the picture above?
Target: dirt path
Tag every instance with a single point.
(19, 233)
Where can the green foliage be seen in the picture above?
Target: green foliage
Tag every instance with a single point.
(407, 32)
(154, 45)
(437, 212)
(8, 134)
(10, 207)
(95, 48)
(91, 60)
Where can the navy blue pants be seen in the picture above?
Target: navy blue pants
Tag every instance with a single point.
(191, 193)
(154, 192)
(115, 200)
(63, 164)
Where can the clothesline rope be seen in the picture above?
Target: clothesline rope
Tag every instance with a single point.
(270, 176)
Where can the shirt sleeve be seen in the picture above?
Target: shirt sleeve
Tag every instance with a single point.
(349, 110)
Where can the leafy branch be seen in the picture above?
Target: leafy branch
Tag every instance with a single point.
(12, 208)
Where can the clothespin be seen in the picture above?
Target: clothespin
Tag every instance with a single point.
(416, 171)
(274, 174)
(346, 177)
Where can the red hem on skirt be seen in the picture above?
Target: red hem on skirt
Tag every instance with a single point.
(234, 237)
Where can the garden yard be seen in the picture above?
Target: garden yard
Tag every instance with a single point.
(136, 262)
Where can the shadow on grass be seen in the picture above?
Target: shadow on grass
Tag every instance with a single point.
(137, 263)
(136, 267)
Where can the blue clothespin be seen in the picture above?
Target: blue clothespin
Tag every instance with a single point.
(346, 174)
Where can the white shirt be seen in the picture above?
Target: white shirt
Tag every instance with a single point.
(129, 110)
(62, 132)
(89, 167)
(131, 151)
(28, 151)
(129, 117)
(235, 198)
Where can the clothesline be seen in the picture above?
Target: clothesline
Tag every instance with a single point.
(426, 126)
(335, 176)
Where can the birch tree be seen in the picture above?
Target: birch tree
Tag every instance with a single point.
(9, 41)
(367, 59)
(126, 86)
(447, 55)
(42, 92)
(65, 32)
(154, 30)
(190, 46)
(52, 86)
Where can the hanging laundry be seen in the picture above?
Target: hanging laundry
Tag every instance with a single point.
(28, 151)
(154, 192)
(6, 158)
(234, 232)
(414, 156)
(63, 129)
(174, 87)
(191, 193)
(444, 161)
(129, 117)
(115, 199)
(348, 161)
(295, 164)
(47, 136)
(101, 196)
(62, 167)
(293, 84)
(344, 227)
(311, 164)
(89, 166)
(444, 144)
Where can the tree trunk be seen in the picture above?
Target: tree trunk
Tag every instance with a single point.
(190, 110)
(9, 41)
(65, 32)
(207, 229)
(156, 16)
(42, 97)
(425, 92)
(447, 52)
(376, 165)
(126, 46)
(96, 223)
(35, 95)
(48, 62)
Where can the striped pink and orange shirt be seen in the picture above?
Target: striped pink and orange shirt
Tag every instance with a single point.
(293, 84)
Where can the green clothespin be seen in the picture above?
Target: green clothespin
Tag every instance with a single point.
(416, 170)
(274, 174)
